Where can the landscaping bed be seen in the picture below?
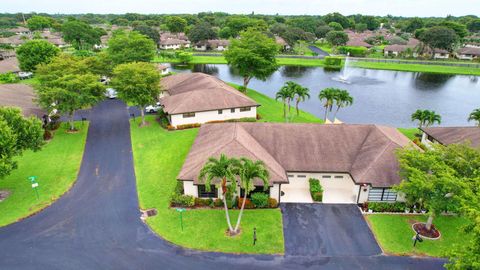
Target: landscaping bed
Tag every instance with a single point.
(56, 167)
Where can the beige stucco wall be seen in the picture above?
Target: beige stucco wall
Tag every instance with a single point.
(204, 117)
(190, 189)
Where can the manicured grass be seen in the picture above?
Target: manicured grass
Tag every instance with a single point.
(56, 167)
(409, 132)
(418, 68)
(272, 110)
(394, 234)
(221, 60)
(158, 156)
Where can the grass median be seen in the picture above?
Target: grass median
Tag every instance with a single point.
(56, 167)
(418, 68)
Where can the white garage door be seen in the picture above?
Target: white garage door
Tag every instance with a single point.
(297, 191)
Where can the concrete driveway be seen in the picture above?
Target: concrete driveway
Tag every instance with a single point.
(326, 230)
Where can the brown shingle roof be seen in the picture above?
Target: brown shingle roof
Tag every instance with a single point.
(358, 43)
(196, 92)
(469, 50)
(22, 96)
(9, 65)
(366, 152)
(449, 135)
(173, 41)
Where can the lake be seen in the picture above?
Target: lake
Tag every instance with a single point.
(380, 96)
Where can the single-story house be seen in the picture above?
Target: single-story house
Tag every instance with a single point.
(212, 44)
(354, 163)
(173, 44)
(21, 96)
(163, 69)
(396, 50)
(468, 53)
(168, 35)
(9, 64)
(451, 135)
(283, 44)
(358, 43)
(197, 98)
(441, 54)
(20, 30)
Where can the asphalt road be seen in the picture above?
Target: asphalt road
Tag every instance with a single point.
(319, 51)
(327, 230)
(97, 224)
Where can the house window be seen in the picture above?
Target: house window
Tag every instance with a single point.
(339, 176)
(382, 194)
(232, 110)
(258, 189)
(301, 176)
(189, 115)
(326, 176)
(220, 111)
(430, 138)
(203, 193)
(291, 175)
(245, 109)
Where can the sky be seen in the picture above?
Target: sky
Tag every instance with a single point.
(421, 8)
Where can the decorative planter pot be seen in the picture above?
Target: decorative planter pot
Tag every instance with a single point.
(407, 210)
(370, 211)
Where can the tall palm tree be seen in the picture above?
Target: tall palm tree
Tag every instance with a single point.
(420, 116)
(286, 95)
(301, 93)
(343, 99)
(475, 116)
(248, 171)
(329, 95)
(432, 118)
(221, 169)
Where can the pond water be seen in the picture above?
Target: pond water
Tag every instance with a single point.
(380, 96)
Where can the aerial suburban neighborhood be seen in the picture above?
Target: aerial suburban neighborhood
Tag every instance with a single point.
(240, 135)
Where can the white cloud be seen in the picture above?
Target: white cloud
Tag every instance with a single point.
(423, 8)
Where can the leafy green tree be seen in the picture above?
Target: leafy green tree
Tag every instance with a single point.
(474, 25)
(176, 24)
(335, 26)
(306, 23)
(17, 134)
(223, 171)
(149, 32)
(248, 171)
(414, 24)
(237, 24)
(328, 95)
(371, 22)
(337, 17)
(253, 55)
(426, 118)
(322, 31)
(225, 32)
(184, 57)
(342, 99)
(80, 34)
(460, 29)
(138, 83)
(439, 37)
(38, 23)
(201, 32)
(286, 94)
(126, 47)
(337, 38)
(360, 27)
(475, 116)
(35, 52)
(67, 85)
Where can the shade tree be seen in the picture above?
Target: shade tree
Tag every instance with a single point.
(35, 52)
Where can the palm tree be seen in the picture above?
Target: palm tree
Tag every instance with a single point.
(248, 171)
(343, 99)
(329, 95)
(221, 169)
(432, 117)
(420, 116)
(285, 94)
(301, 93)
(475, 116)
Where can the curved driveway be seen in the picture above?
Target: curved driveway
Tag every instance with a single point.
(97, 224)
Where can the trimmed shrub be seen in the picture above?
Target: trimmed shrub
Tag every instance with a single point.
(259, 199)
(387, 206)
(248, 203)
(199, 202)
(218, 202)
(333, 62)
(179, 200)
(272, 203)
(179, 188)
(316, 190)
(8, 77)
(54, 123)
(353, 51)
(186, 126)
(47, 135)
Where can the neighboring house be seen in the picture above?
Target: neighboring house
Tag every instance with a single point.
(354, 163)
(441, 54)
(168, 35)
(468, 53)
(451, 135)
(358, 43)
(283, 44)
(14, 41)
(197, 98)
(212, 44)
(173, 44)
(5, 54)
(9, 64)
(103, 43)
(472, 44)
(21, 96)
(20, 30)
(163, 69)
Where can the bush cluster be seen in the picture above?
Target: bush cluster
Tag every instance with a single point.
(8, 77)
(260, 199)
(186, 126)
(180, 200)
(387, 206)
(354, 51)
(248, 203)
(333, 62)
(199, 202)
(316, 190)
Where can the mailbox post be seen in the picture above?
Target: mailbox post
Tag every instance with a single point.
(181, 210)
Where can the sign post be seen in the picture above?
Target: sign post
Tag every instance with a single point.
(181, 210)
(416, 238)
(33, 180)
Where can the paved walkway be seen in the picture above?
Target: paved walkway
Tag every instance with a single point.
(97, 224)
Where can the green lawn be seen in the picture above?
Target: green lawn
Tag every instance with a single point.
(418, 68)
(221, 60)
(56, 167)
(409, 132)
(394, 234)
(158, 156)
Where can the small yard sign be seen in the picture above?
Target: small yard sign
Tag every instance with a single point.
(33, 180)
(181, 210)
